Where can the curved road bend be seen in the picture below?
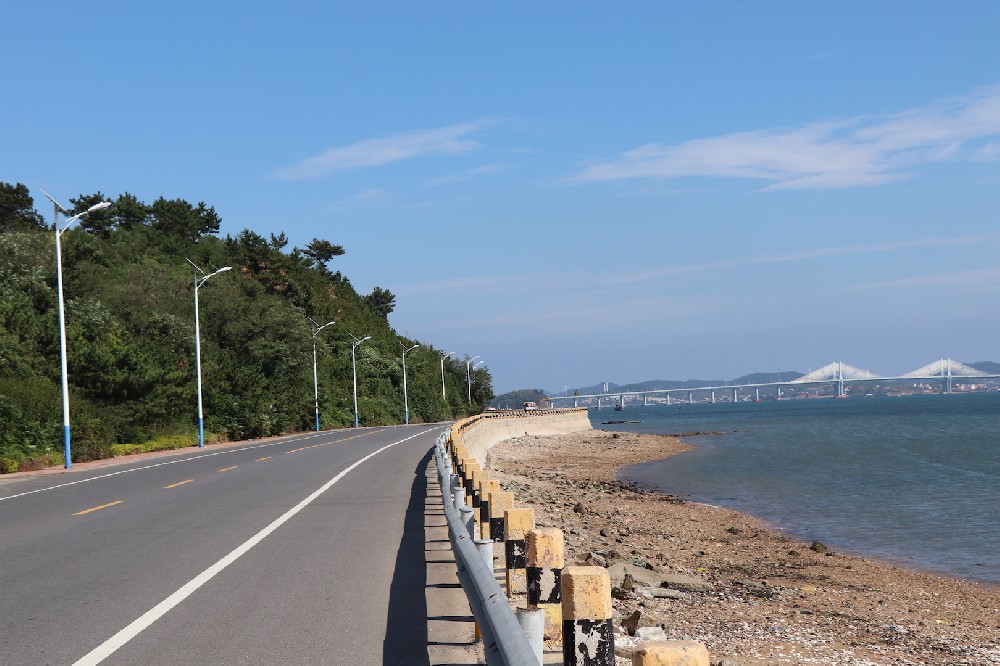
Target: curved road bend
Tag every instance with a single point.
(303, 550)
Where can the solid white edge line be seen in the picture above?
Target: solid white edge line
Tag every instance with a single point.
(105, 649)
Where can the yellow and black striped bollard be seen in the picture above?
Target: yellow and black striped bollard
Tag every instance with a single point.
(486, 488)
(500, 503)
(588, 633)
(544, 559)
(517, 523)
(670, 653)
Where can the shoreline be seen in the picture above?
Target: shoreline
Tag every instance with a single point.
(753, 594)
(771, 524)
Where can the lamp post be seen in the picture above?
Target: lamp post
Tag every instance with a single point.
(316, 329)
(469, 367)
(62, 316)
(468, 375)
(354, 366)
(197, 342)
(443, 357)
(406, 401)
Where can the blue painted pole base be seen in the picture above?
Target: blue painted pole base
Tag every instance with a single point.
(66, 453)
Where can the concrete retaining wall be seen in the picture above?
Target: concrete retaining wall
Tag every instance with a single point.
(479, 433)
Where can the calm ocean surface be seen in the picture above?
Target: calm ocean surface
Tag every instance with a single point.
(914, 479)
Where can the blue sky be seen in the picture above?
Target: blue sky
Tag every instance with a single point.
(574, 191)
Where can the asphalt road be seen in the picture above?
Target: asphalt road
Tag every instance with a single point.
(304, 550)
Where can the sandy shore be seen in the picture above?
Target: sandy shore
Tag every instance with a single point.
(753, 595)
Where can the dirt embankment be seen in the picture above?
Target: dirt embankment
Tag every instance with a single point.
(753, 595)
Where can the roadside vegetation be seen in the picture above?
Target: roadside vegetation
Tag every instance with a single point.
(129, 296)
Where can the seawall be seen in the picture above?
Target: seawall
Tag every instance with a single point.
(481, 432)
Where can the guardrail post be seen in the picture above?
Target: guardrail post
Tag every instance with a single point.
(670, 653)
(588, 634)
(544, 559)
(500, 503)
(517, 523)
(532, 621)
(466, 515)
(457, 491)
(485, 548)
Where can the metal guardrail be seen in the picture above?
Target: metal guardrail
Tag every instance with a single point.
(503, 638)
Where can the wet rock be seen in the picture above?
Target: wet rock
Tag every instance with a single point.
(818, 547)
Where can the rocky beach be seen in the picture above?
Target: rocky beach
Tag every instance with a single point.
(753, 595)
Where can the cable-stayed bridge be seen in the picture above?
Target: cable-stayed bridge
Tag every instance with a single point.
(838, 374)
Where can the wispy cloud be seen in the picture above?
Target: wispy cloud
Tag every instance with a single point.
(865, 150)
(453, 140)
(523, 282)
(466, 175)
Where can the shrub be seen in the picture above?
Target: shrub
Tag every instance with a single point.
(124, 450)
(168, 443)
(8, 465)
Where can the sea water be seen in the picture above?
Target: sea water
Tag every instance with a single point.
(913, 479)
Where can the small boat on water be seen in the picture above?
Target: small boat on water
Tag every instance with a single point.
(620, 407)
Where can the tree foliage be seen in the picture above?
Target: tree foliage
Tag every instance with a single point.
(17, 212)
(381, 301)
(130, 334)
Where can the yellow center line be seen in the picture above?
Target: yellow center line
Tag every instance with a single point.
(264, 458)
(98, 508)
(226, 469)
(179, 483)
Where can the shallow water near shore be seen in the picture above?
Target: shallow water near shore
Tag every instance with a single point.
(914, 479)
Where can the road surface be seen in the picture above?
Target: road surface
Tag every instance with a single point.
(302, 550)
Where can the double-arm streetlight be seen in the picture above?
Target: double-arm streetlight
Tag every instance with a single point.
(316, 329)
(406, 401)
(354, 367)
(468, 373)
(198, 282)
(62, 316)
(443, 357)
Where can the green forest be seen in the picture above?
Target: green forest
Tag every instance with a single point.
(129, 288)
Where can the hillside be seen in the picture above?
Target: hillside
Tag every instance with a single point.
(129, 298)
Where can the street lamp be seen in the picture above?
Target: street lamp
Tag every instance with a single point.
(443, 357)
(354, 366)
(316, 329)
(197, 342)
(469, 367)
(468, 375)
(62, 317)
(406, 401)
